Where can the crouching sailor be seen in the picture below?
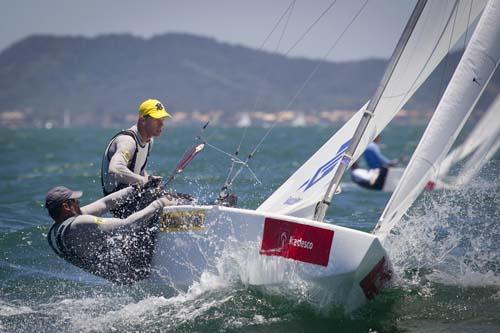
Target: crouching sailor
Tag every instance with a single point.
(119, 250)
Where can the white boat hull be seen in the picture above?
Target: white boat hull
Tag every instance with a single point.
(351, 266)
(392, 179)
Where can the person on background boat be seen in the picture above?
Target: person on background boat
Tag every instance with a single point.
(372, 179)
(374, 157)
(119, 250)
(126, 155)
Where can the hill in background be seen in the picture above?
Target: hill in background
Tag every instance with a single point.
(103, 79)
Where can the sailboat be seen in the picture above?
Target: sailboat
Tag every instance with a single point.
(244, 121)
(477, 66)
(477, 149)
(300, 120)
(377, 181)
(286, 238)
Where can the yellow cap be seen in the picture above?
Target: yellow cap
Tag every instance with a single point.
(153, 108)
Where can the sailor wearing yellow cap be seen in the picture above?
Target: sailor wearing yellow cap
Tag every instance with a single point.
(125, 158)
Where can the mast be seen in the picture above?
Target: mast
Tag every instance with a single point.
(323, 205)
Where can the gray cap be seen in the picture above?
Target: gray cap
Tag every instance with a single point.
(59, 194)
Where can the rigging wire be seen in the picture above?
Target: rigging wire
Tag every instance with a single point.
(254, 151)
(236, 154)
(289, 11)
(234, 159)
(290, 7)
(286, 25)
(326, 55)
(311, 26)
(188, 156)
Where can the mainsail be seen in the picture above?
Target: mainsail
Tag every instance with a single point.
(484, 131)
(473, 73)
(440, 25)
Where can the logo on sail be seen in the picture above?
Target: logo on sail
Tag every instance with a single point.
(326, 168)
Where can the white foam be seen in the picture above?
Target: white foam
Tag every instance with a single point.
(7, 309)
(451, 237)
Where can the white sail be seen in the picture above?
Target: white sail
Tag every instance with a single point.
(440, 25)
(478, 159)
(485, 152)
(473, 73)
(486, 127)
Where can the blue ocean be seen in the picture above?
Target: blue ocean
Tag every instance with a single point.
(446, 253)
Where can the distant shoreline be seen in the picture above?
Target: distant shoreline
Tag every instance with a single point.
(27, 119)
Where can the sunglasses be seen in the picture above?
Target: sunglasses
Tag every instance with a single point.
(74, 201)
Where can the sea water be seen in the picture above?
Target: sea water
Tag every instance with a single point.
(446, 252)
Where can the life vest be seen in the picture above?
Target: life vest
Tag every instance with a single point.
(56, 242)
(54, 237)
(131, 263)
(137, 169)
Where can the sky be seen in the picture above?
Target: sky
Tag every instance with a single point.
(373, 33)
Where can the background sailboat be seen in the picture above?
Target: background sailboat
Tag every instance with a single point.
(244, 121)
(477, 66)
(477, 149)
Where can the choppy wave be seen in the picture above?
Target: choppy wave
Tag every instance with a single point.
(445, 254)
(451, 237)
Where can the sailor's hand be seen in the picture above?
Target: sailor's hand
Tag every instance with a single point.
(168, 200)
(393, 162)
(153, 181)
(140, 183)
(184, 196)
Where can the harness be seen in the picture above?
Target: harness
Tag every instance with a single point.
(130, 165)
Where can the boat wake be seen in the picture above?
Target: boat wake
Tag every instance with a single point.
(450, 237)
